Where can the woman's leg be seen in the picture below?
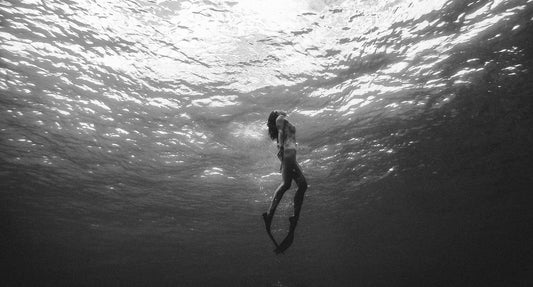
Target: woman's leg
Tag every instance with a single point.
(282, 188)
(298, 201)
(299, 178)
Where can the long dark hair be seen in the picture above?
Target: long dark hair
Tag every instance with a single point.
(272, 129)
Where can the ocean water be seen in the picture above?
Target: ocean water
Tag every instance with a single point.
(134, 148)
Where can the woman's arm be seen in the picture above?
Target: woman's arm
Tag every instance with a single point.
(280, 124)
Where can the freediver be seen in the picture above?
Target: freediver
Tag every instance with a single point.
(281, 130)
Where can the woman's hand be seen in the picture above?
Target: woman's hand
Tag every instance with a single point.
(280, 156)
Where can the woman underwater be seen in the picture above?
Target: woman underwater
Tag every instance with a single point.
(280, 129)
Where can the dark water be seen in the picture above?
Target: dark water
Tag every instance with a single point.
(134, 149)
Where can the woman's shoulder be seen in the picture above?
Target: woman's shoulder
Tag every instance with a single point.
(280, 120)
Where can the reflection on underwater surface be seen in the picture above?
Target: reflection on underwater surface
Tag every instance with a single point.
(134, 147)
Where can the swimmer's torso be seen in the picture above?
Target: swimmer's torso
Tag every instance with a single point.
(289, 135)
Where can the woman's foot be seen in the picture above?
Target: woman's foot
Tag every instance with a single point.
(287, 242)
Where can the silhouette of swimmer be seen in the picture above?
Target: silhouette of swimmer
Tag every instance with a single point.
(284, 132)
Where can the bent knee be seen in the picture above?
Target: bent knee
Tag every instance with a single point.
(285, 185)
(302, 186)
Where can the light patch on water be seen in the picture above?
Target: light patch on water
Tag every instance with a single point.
(351, 103)
(270, 175)
(89, 110)
(58, 125)
(397, 68)
(163, 103)
(24, 140)
(119, 63)
(122, 131)
(468, 32)
(393, 106)
(91, 81)
(62, 112)
(435, 44)
(313, 113)
(274, 15)
(215, 101)
(87, 126)
(100, 104)
(463, 76)
(57, 96)
(213, 171)
(479, 12)
(247, 132)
